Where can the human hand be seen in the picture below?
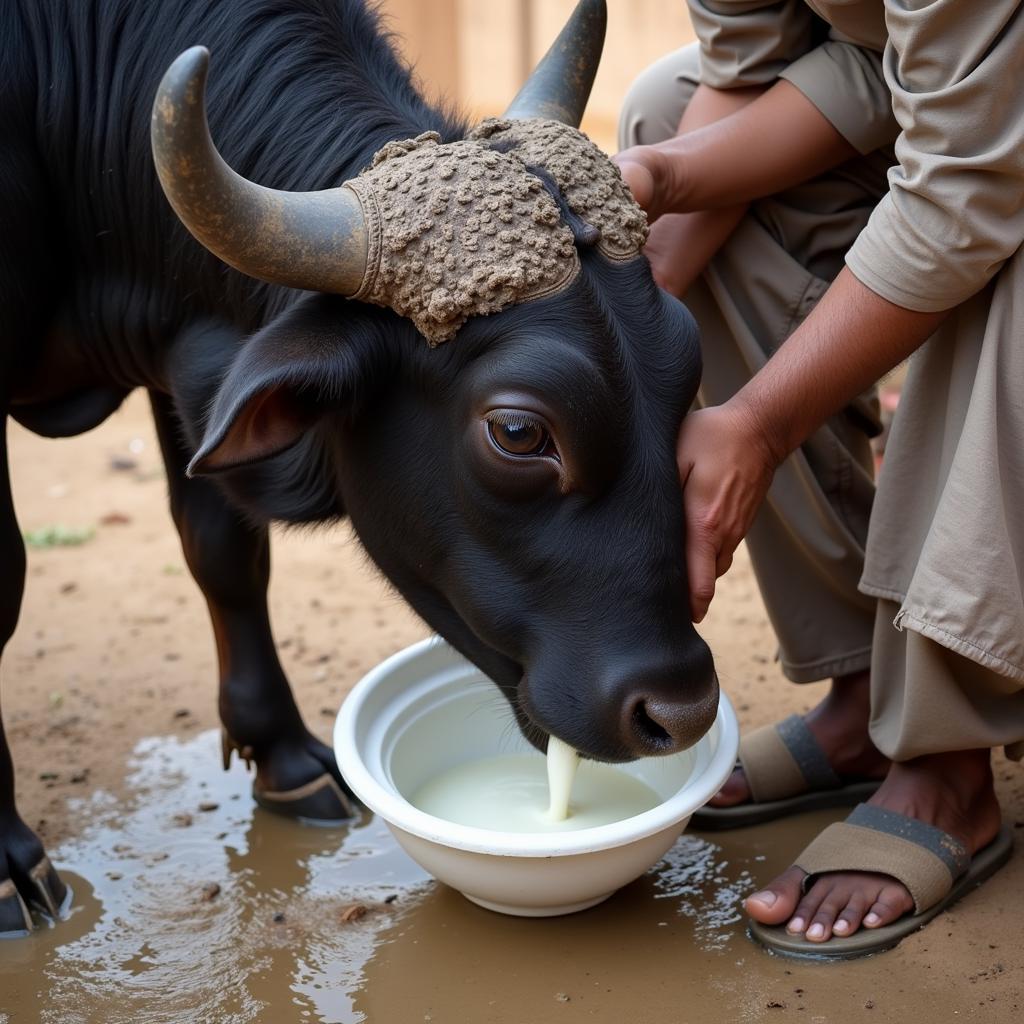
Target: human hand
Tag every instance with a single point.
(654, 176)
(725, 466)
(677, 259)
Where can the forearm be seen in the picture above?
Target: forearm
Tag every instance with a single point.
(851, 339)
(681, 245)
(696, 187)
(727, 454)
(767, 144)
(710, 105)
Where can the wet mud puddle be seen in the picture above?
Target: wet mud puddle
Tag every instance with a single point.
(191, 904)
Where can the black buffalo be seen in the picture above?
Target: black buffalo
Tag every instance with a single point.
(518, 485)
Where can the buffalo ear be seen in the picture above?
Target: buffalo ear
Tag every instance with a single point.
(302, 365)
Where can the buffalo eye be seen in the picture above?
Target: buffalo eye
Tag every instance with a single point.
(519, 434)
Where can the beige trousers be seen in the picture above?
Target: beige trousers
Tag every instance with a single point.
(809, 541)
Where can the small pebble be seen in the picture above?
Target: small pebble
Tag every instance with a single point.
(115, 519)
(353, 912)
(279, 917)
(210, 892)
(209, 805)
(562, 997)
(182, 713)
(182, 820)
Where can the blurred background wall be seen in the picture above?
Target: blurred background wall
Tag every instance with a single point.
(478, 52)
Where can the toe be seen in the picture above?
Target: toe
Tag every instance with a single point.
(824, 919)
(808, 907)
(735, 791)
(774, 904)
(849, 919)
(891, 904)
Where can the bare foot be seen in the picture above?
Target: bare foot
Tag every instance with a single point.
(840, 725)
(952, 791)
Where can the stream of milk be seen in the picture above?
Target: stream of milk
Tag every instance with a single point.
(562, 764)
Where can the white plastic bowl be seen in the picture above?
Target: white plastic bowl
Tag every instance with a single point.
(426, 709)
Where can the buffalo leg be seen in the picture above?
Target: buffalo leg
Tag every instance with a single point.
(229, 558)
(26, 874)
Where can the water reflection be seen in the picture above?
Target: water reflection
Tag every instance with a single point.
(191, 904)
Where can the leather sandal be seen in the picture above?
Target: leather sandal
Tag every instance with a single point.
(936, 868)
(788, 773)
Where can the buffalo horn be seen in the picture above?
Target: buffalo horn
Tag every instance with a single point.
(310, 240)
(560, 85)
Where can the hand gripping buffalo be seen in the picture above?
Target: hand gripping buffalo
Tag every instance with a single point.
(517, 484)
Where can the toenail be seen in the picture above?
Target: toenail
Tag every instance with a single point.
(841, 926)
(796, 925)
(816, 931)
(766, 896)
(872, 918)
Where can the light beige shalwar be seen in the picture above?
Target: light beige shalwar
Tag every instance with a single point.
(938, 222)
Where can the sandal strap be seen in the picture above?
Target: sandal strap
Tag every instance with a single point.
(920, 856)
(784, 760)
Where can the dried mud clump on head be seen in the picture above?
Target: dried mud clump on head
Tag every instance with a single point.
(458, 230)
(464, 229)
(589, 181)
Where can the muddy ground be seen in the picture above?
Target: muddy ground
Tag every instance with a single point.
(191, 905)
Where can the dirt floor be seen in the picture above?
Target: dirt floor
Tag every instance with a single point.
(191, 905)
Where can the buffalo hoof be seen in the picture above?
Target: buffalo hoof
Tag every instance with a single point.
(297, 780)
(43, 889)
(48, 891)
(15, 920)
(320, 801)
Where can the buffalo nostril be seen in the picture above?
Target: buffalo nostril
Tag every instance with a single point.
(657, 724)
(648, 729)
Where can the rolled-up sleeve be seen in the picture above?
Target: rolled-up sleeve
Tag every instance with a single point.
(955, 207)
(749, 42)
(846, 83)
(755, 42)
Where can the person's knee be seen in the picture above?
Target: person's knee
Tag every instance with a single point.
(655, 101)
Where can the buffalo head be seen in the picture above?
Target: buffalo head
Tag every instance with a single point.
(518, 484)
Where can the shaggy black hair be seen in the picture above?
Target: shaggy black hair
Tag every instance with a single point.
(301, 93)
